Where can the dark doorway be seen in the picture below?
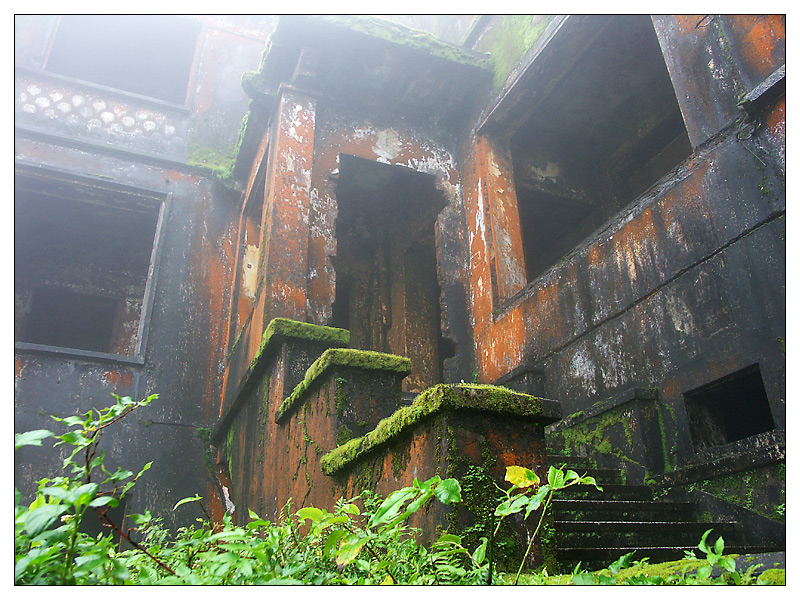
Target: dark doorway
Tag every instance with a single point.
(387, 290)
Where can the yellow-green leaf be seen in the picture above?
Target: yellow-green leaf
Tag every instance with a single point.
(521, 477)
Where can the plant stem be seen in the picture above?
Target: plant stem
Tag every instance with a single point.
(533, 537)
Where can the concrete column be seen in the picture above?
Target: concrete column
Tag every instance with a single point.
(285, 227)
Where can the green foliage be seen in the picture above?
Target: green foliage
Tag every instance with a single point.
(365, 544)
(526, 494)
(365, 540)
(48, 546)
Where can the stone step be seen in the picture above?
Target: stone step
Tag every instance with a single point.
(611, 491)
(596, 528)
(622, 510)
(593, 534)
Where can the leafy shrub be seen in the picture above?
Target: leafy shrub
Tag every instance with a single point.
(365, 544)
(365, 540)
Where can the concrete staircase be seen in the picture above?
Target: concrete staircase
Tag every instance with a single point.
(596, 527)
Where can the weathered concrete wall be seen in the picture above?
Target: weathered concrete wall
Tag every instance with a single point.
(203, 132)
(684, 285)
(81, 130)
(278, 444)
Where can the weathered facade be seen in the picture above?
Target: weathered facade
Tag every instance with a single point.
(306, 249)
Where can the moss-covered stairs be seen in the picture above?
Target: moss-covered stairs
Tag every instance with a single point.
(595, 528)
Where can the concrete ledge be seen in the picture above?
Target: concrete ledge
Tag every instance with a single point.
(347, 358)
(277, 333)
(440, 398)
(630, 395)
(757, 451)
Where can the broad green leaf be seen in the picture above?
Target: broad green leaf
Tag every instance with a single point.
(719, 546)
(103, 500)
(417, 503)
(349, 549)
(555, 478)
(73, 438)
(511, 506)
(310, 512)
(31, 438)
(84, 494)
(58, 492)
(40, 519)
(536, 500)
(40, 501)
(704, 572)
(727, 563)
(571, 475)
(427, 485)
(589, 480)
(332, 541)
(623, 562)
(392, 505)
(480, 551)
(334, 520)
(702, 545)
(521, 477)
(448, 491)
(141, 519)
(351, 509)
(449, 538)
(387, 580)
(120, 475)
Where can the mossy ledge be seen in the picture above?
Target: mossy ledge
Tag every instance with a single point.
(278, 330)
(412, 38)
(442, 397)
(342, 357)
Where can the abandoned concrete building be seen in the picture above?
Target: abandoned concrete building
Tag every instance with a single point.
(351, 251)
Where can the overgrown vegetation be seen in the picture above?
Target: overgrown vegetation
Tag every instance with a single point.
(365, 540)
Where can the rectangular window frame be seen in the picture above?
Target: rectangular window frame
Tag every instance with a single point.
(185, 106)
(158, 198)
(511, 281)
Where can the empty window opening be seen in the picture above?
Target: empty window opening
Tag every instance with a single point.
(82, 257)
(149, 55)
(387, 290)
(608, 130)
(730, 409)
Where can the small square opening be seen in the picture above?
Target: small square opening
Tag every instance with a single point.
(730, 409)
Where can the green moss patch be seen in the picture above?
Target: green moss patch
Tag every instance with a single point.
(342, 357)
(434, 400)
(508, 40)
(751, 490)
(411, 38)
(219, 161)
(280, 329)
